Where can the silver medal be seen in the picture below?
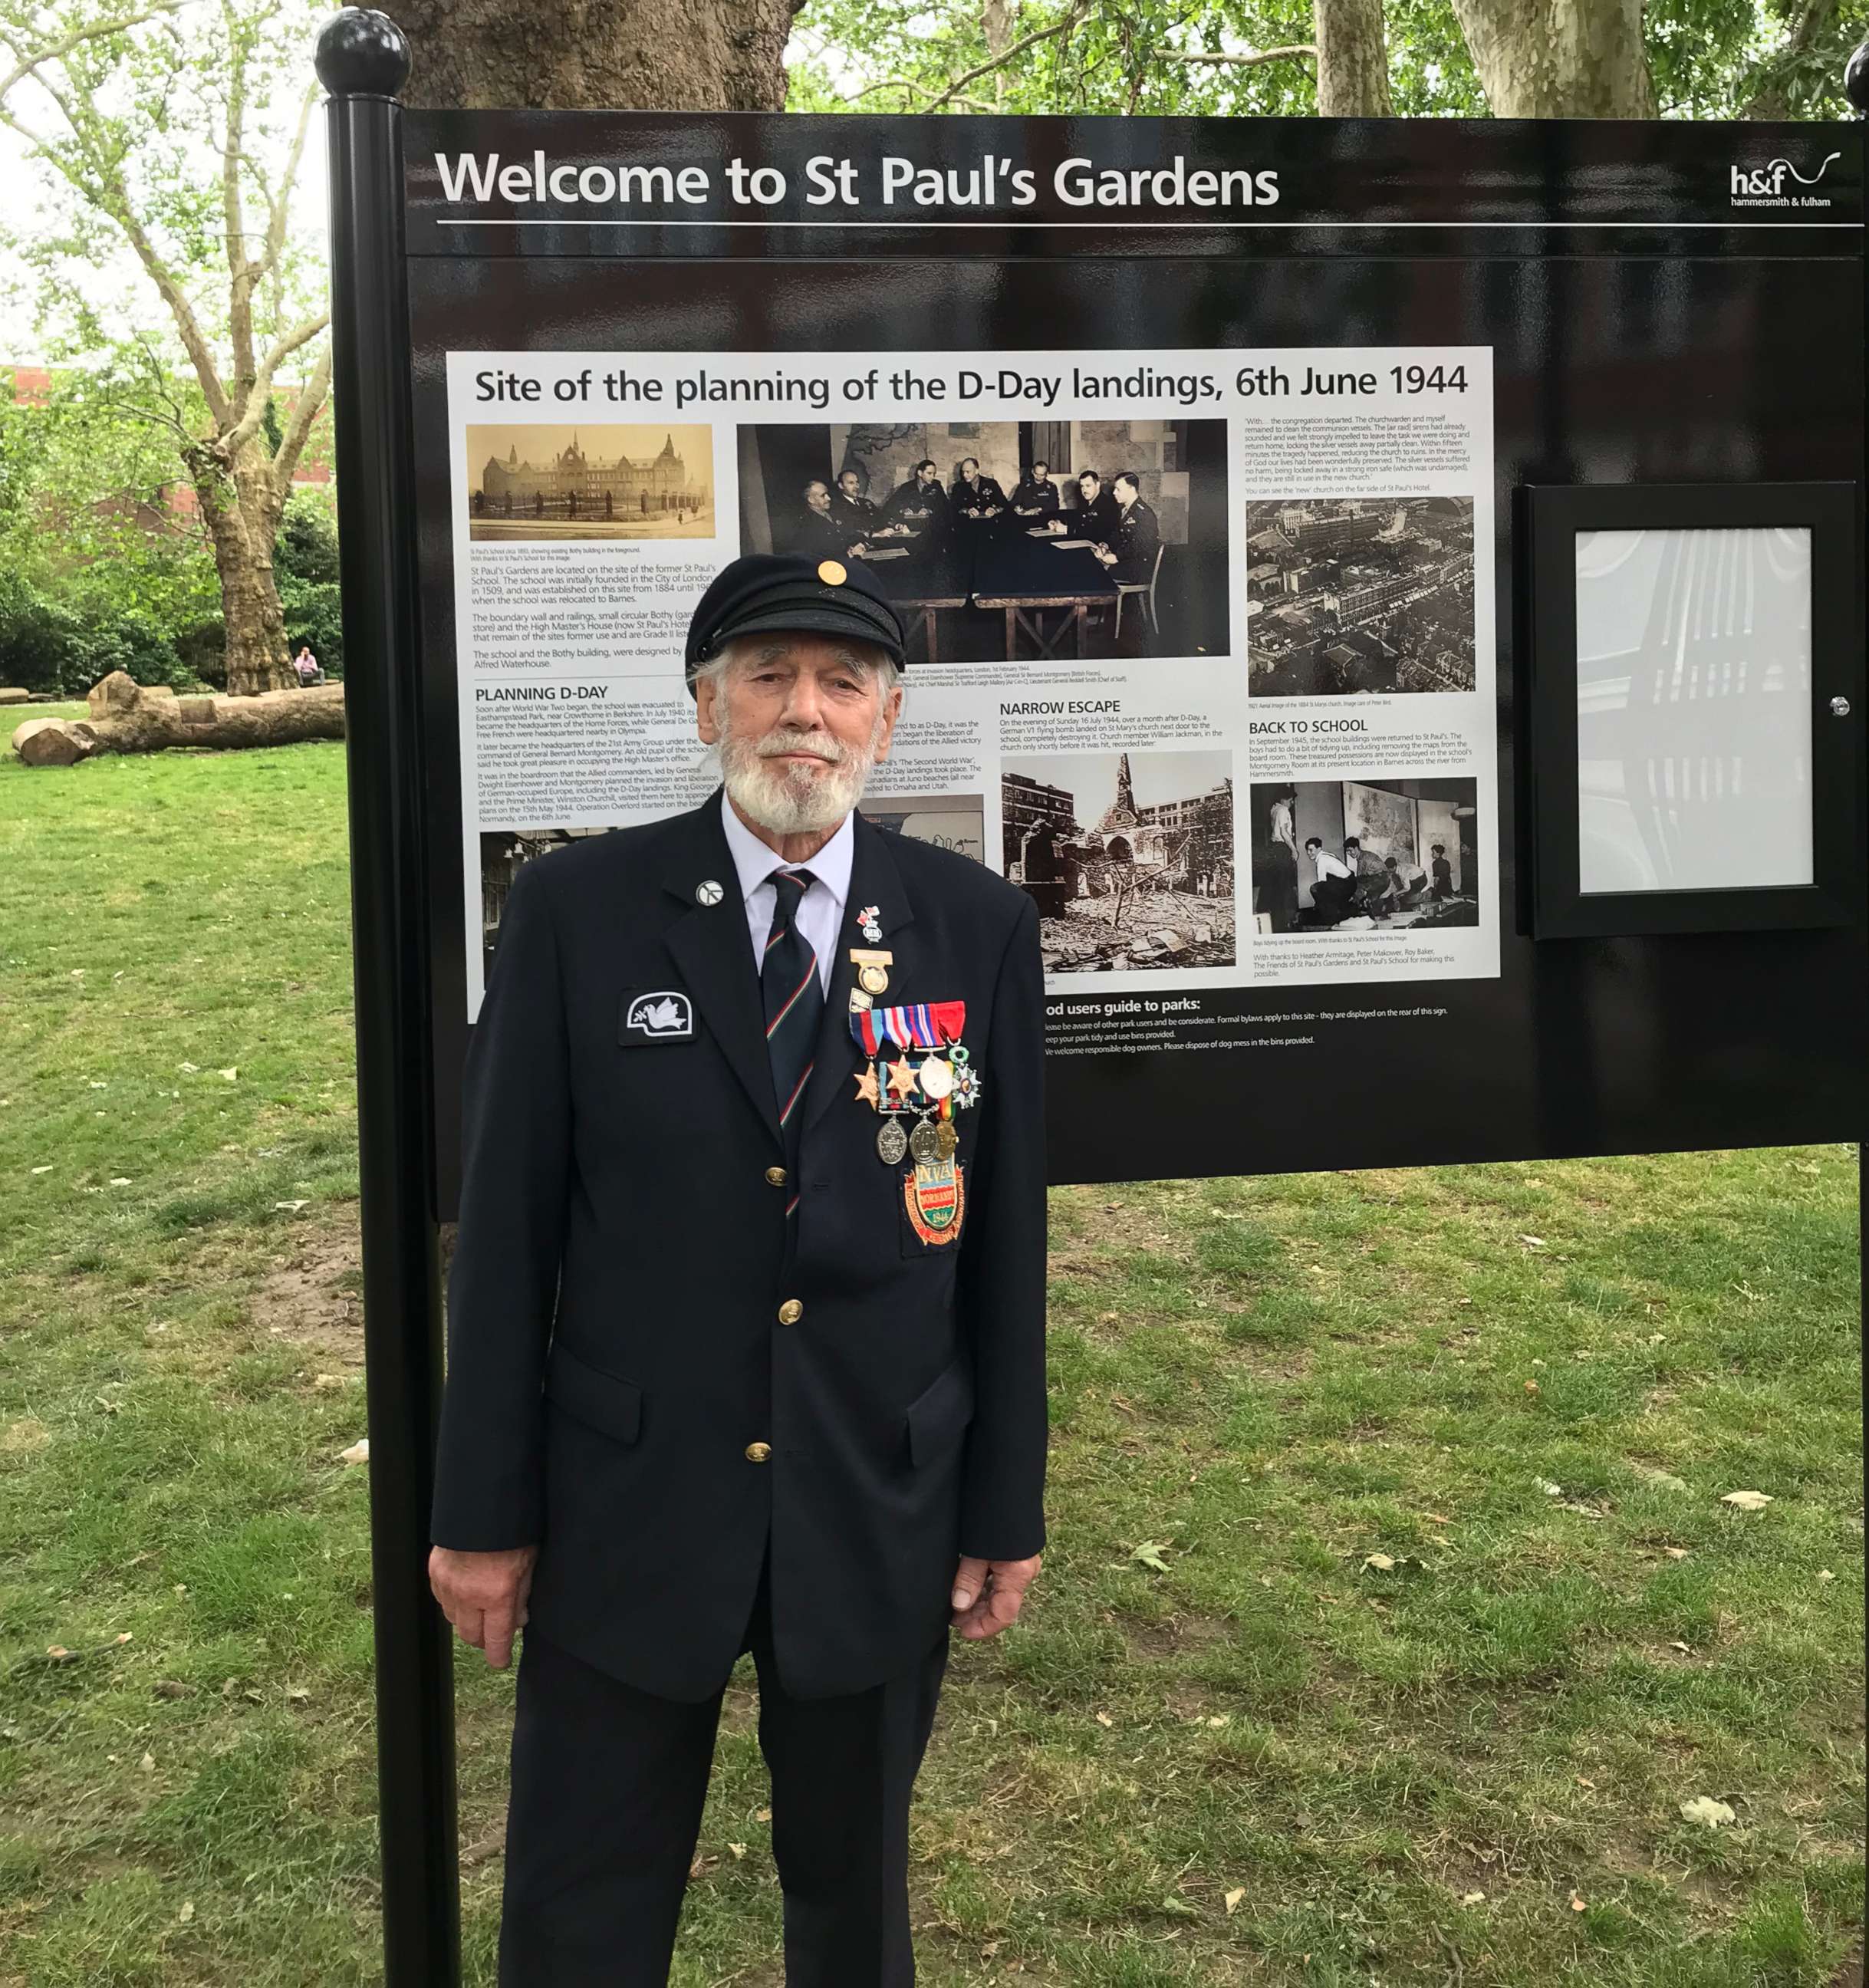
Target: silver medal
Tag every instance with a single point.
(891, 1142)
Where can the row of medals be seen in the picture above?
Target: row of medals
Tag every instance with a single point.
(934, 1138)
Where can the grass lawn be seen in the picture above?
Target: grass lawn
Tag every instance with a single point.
(1392, 1609)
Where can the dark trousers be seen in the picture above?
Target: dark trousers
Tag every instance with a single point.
(608, 1784)
(1333, 896)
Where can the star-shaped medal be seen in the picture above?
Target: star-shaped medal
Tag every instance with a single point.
(902, 1079)
(867, 1092)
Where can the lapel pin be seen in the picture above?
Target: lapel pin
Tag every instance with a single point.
(708, 893)
(870, 976)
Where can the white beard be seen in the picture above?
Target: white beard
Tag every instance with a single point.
(794, 799)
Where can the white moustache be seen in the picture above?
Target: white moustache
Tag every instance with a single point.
(818, 745)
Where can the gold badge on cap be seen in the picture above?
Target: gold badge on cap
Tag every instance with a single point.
(832, 572)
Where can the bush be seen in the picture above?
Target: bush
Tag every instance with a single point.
(39, 643)
(306, 548)
(133, 643)
(203, 650)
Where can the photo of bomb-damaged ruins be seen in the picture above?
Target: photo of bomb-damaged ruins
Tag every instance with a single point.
(1348, 595)
(1129, 856)
(537, 481)
(1364, 856)
(504, 852)
(1009, 542)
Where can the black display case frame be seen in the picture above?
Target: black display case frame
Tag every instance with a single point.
(1551, 517)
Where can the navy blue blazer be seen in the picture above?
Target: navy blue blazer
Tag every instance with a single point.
(616, 1341)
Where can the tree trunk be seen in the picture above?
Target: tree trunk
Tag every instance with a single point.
(1353, 59)
(241, 523)
(621, 55)
(129, 717)
(1559, 57)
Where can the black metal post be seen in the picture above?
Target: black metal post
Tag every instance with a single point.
(1856, 87)
(362, 60)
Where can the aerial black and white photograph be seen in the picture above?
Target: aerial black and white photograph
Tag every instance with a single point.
(1364, 856)
(1009, 542)
(1128, 856)
(1348, 596)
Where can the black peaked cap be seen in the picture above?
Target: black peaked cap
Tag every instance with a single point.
(762, 593)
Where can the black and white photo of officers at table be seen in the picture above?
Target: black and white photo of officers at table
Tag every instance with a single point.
(1009, 542)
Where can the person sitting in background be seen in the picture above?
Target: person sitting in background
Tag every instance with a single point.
(306, 664)
(919, 507)
(1129, 551)
(818, 534)
(1095, 518)
(1035, 495)
(850, 507)
(974, 495)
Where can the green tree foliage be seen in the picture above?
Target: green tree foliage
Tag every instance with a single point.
(104, 570)
(1710, 58)
(165, 140)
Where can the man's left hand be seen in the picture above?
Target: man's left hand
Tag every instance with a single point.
(987, 1595)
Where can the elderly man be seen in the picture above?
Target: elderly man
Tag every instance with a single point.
(746, 1318)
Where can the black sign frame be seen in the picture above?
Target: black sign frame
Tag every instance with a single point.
(1381, 189)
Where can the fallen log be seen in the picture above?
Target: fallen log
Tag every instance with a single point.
(54, 741)
(129, 717)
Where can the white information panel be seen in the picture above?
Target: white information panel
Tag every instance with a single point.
(1693, 709)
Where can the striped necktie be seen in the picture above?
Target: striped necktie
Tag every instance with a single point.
(794, 1000)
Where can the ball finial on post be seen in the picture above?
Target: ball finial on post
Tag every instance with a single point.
(362, 53)
(1856, 80)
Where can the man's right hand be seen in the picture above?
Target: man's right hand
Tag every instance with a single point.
(483, 1595)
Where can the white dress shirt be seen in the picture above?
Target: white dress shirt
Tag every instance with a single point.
(820, 911)
(1322, 863)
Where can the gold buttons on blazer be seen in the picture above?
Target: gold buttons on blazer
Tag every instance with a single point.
(757, 1452)
(791, 1311)
(775, 1176)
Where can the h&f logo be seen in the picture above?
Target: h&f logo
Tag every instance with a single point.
(1772, 185)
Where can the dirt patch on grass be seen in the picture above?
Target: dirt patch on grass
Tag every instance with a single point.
(312, 1299)
(1157, 1642)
